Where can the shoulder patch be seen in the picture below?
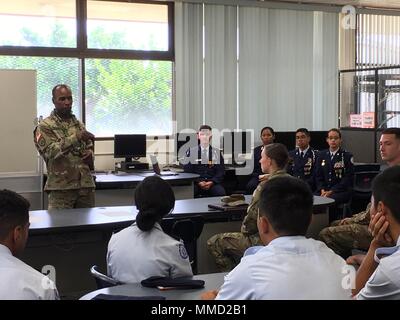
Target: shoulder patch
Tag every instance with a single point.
(182, 251)
(42, 142)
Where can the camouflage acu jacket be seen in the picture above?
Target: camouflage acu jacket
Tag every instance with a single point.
(249, 224)
(56, 140)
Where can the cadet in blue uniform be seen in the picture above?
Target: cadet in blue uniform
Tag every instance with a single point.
(302, 159)
(207, 162)
(143, 249)
(267, 136)
(334, 171)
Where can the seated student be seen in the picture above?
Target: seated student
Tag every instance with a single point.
(143, 249)
(228, 248)
(352, 233)
(208, 163)
(302, 159)
(18, 280)
(288, 266)
(334, 172)
(267, 136)
(379, 274)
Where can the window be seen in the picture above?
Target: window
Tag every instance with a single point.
(47, 23)
(128, 96)
(117, 56)
(378, 41)
(132, 26)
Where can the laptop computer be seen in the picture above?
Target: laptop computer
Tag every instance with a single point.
(156, 168)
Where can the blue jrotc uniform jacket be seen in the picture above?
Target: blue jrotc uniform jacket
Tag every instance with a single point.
(303, 167)
(211, 169)
(336, 174)
(256, 158)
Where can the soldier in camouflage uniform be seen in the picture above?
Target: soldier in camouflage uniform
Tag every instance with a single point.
(352, 233)
(67, 149)
(228, 248)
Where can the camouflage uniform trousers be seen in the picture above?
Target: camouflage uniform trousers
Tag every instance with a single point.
(228, 248)
(72, 198)
(343, 238)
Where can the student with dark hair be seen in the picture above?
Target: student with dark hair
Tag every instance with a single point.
(143, 249)
(302, 159)
(379, 274)
(18, 280)
(334, 172)
(267, 136)
(228, 248)
(207, 162)
(288, 266)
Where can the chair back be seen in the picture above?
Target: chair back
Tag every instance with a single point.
(102, 281)
(363, 181)
(189, 231)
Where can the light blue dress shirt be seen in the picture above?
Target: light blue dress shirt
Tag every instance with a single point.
(287, 268)
(384, 283)
(134, 255)
(21, 282)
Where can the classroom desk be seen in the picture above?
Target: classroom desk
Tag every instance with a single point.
(118, 189)
(212, 281)
(87, 219)
(72, 240)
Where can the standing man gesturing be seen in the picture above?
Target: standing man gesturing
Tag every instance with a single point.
(67, 148)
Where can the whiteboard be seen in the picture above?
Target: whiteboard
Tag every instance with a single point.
(18, 111)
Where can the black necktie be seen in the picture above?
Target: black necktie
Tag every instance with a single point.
(302, 154)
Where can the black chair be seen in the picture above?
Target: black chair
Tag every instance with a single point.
(189, 231)
(346, 209)
(362, 189)
(102, 281)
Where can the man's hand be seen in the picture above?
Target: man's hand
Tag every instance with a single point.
(87, 158)
(85, 135)
(201, 184)
(209, 295)
(357, 259)
(378, 226)
(208, 185)
(328, 193)
(205, 185)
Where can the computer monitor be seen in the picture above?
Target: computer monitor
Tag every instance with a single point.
(129, 146)
(186, 140)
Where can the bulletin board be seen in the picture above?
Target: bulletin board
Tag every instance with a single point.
(17, 114)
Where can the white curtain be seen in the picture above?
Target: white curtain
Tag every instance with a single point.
(325, 71)
(188, 65)
(220, 66)
(254, 73)
(284, 73)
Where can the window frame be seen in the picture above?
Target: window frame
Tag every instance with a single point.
(82, 52)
